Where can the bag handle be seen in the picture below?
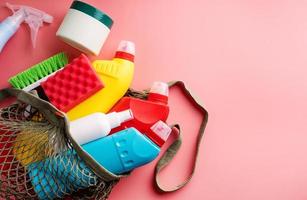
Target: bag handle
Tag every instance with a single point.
(174, 147)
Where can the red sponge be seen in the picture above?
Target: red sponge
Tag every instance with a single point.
(73, 84)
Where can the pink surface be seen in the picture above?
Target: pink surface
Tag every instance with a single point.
(245, 59)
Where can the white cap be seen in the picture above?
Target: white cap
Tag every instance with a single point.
(159, 88)
(161, 129)
(117, 118)
(125, 115)
(127, 47)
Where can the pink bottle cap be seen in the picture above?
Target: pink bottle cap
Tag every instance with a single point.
(160, 133)
(127, 47)
(158, 93)
(125, 50)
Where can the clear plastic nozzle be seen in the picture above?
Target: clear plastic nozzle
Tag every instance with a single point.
(33, 17)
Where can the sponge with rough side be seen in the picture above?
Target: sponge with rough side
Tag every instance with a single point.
(73, 84)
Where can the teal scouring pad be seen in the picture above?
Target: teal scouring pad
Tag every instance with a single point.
(32, 77)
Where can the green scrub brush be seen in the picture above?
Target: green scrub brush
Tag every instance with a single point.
(32, 77)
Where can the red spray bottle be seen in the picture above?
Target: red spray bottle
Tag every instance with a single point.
(146, 112)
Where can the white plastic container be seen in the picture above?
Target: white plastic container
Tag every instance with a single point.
(97, 125)
(85, 28)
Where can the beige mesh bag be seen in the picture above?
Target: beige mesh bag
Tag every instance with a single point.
(40, 160)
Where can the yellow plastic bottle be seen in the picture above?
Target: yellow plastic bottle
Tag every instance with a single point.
(116, 74)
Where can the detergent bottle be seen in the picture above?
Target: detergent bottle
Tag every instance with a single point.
(116, 75)
(118, 153)
(129, 148)
(146, 112)
(33, 17)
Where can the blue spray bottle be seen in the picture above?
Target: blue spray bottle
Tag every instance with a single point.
(33, 17)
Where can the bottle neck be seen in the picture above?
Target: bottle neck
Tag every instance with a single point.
(116, 118)
(159, 133)
(155, 138)
(124, 55)
(18, 17)
(157, 98)
(113, 120)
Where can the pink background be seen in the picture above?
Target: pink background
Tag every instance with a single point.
(245, 59)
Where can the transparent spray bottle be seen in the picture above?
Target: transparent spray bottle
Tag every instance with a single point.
(33, 17)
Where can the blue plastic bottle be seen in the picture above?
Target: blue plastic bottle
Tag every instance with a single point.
(127, 149)
(118, 153)
(60, 175)
(123, 151)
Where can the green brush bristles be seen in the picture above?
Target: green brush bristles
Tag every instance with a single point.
(39, 71)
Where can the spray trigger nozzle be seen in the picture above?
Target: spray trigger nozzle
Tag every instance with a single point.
(33, 17)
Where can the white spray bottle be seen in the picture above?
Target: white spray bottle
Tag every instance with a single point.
(33, 17)
(97, 125)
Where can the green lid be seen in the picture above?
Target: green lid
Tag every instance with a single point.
(93, 12)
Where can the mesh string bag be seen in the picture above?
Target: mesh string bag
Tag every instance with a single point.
(38, 157)
(40, 160)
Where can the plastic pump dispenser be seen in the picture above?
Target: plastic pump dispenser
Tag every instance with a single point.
(33, 17)
(97, 125)
(116, 74)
